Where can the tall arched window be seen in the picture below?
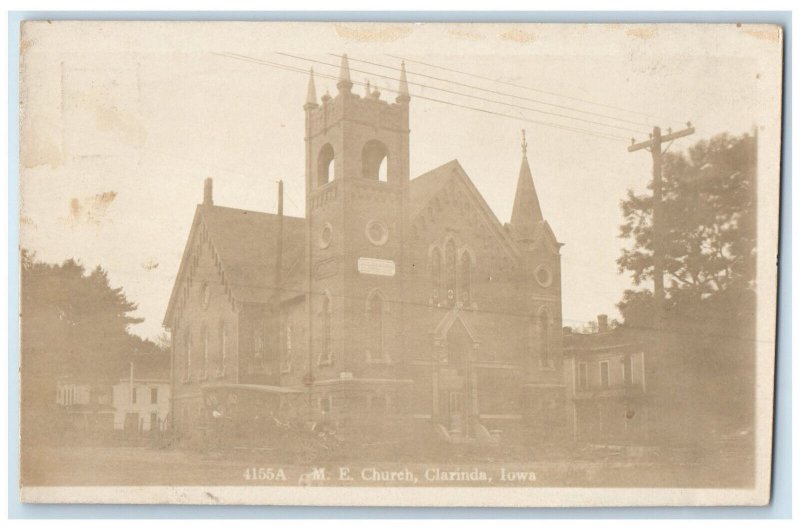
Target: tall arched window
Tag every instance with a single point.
(326, 352)
(543, 331)
(326, 168)
(187, 341)
(436, 274)
(450, 272)
(375, 161)
(465, 289)
(375, 328)
(223, 348)
(204, 338)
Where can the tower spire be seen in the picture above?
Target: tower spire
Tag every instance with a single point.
(311, 95)
(344, 84)
(402, 91)
(527, 213)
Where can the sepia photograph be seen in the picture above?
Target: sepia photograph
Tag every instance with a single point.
(398, 264)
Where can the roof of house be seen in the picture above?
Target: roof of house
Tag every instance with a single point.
(147, 366)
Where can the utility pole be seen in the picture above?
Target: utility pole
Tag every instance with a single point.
(654, 145)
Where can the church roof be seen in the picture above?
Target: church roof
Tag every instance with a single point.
(247, 241)
(527, 213)
(245, 244)
(425, 186)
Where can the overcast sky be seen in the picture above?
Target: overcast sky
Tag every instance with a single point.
(122, 122)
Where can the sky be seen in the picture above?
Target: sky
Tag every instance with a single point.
(122, 121)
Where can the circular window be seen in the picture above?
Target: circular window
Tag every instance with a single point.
(543, 276)
(326, 235)
(377, 232)
(206, 294)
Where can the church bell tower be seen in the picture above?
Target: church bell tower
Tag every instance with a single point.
(357, 192)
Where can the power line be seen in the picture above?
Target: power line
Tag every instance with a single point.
(524, 87)
(480, 98)
(295, 69)
(506, 94)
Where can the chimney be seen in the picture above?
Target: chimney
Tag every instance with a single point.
(602, 323)
(208, 193)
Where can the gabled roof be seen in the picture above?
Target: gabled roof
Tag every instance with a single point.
(425, 187)
(245, 243)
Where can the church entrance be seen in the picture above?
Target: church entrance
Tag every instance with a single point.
(455, 380)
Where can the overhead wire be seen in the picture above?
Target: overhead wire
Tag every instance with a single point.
(295, 69)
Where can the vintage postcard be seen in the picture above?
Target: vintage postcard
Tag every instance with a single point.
(398, 264)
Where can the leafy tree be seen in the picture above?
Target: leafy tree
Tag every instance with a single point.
(73, 324)
(709, 234)
(709, 221)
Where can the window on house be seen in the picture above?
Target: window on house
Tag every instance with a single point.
(436, 274)
(375, 327)
(627, 376)
(153, 396)
(326, 167)
(604, 374)
(465, 289)
(133, 395)
(583, 376)
(450, 272)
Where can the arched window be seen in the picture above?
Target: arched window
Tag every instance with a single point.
(187, 341)
(450, 272)
(204, 335)
(375, 161)
(436, 274)
(375, 328)
(465, 289)
(326, 352)
(223, 348)
(326, 167)
(543, 331)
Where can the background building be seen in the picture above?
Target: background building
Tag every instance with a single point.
(142, 395)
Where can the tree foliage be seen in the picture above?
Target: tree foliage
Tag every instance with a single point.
(74, 324)
(709, 240)
(709, 227)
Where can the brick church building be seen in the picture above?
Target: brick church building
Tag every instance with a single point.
(395, 304)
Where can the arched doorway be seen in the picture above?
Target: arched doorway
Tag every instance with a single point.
(456, 396)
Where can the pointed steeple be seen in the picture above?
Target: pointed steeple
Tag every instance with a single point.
(402, 91)
(344, 84)
(311, 95)
(527, 214)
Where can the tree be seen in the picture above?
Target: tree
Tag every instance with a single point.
(709, 221)
(73, 324)
(709, 231)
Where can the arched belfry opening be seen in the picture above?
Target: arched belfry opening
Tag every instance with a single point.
(375, 161)
(326, 167)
